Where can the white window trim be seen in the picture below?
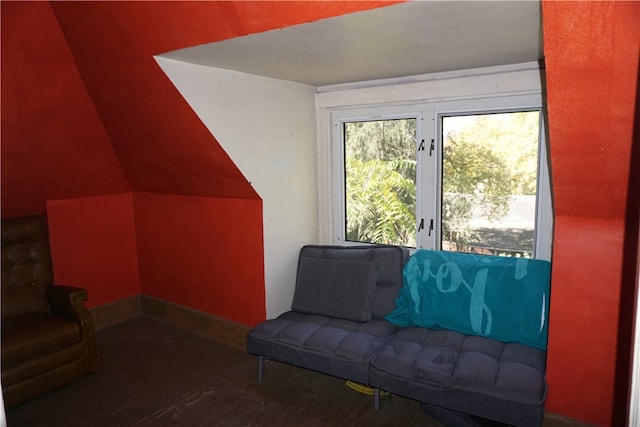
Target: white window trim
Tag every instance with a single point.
(515, 87)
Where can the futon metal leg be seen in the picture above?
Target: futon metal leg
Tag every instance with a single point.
(260, 368)
(376, 398)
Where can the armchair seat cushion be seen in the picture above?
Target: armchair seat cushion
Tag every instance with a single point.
(31, 334)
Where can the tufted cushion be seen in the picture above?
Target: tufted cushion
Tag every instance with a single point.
(389, 262)
(26, 266)
(464, 372)
(337, 347)
(340, 288)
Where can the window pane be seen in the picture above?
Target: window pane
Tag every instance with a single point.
(489, 178)
(380, 180)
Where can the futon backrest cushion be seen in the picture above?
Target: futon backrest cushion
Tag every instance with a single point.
(340, 288)
(26, 266)
(351, 282)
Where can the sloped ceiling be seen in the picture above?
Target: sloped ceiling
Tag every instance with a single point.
(406, 39)
(161, 143)
(53, 143)
(87, 111)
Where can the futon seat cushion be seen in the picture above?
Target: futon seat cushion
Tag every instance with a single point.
(337, 347)
(472, 374)
(30, 334)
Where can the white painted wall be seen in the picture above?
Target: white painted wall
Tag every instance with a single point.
(268, 128)
(277, 133)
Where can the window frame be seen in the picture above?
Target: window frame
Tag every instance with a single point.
(338, 119)
(543, 240)
(501, 90)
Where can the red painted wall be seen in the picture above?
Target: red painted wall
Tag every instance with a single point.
(86, 111)
(53, 142)
(591, 51)
(155, 134)
(93, 246)
(161, 143)
(204, 253)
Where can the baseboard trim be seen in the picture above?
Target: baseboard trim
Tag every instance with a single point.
(552, 419)
(203, 324)
(115, 312)
(196, 321)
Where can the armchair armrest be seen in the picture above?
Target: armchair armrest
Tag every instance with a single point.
(68, 301)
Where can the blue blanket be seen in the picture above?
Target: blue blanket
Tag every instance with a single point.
(498, 297)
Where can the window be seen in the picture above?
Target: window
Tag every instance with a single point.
(380, 181)
(464, 175)
(489, 182)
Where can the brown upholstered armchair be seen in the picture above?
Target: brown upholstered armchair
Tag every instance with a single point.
(48, 338)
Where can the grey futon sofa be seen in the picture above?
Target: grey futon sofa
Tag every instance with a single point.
(337, 326)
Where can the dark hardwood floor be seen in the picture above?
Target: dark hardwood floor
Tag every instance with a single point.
(155, 374)
(152, 373)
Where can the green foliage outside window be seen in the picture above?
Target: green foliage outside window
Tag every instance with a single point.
(475, 176)
(484, 163)
(381, 202)
(380, 170)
